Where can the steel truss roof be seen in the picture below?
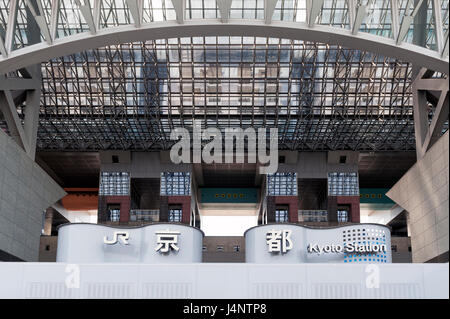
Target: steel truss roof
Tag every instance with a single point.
(130, 96)
(319, 96)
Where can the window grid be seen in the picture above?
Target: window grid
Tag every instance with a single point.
(282, 184)
(343, 184)
(175, 215)
(312, 216)
(114, 215)
(282, 215)
(114, 184)
(175, 183)
(342, 216)
(144, 215)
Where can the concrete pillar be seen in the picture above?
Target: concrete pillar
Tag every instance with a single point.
(332, 209)
(48, 221)
(424, 193)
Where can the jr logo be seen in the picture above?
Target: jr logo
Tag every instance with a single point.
(118, 235)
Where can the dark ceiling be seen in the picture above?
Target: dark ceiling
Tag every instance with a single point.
(383, 170)
(82, 169)
(71, 169)
(229, 175)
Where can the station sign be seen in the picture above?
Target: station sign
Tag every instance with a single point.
(229, 195)
(374, 196)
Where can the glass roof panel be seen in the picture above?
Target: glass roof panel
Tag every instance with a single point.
(312, 92)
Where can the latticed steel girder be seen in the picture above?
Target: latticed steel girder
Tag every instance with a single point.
(224, 62)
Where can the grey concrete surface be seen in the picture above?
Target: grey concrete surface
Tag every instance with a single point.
(25, 192)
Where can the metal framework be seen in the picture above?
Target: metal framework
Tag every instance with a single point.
(431, 102)
(412, 30)
(130, 95)
(320, 97)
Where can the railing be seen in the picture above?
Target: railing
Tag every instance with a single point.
(137, 215)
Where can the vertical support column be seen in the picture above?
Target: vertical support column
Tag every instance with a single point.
(395, 14)
(102, 214)
(420, 23)
(332, 209)
(33, 100)
(164, 209)
(48, 221)
(293, 209)
(271, 206)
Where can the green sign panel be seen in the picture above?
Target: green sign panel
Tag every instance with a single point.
(374, 196)
(229, 195)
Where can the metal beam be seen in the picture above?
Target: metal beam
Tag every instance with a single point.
(3, 48)
(404, 28)
(420, 116)
(434, 84)
(395, 15)
(179, 6)
(438, 25)
(439, 118)
(40, 19)
(269, 9)
(316, 6)
(445, 49)
(360, 15)
(31, 120)
(133, 5)
(224, 8)
(11, 26)
(86, 11)
(351, 12)
(67, 45)
(407, 21)
(13, 121)
(54, 19)
(427, 134)
(10, 84)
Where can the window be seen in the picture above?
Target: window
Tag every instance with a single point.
(144, 215)
(343, 184)
(237, 248)
(342, 159)
(220, 248)
(394, 248)
(175, 183)
(115, 159)
(312, 216)
(114, 213)
(175, 215)
(114, 183)
(282, 215)
(282, 184)
(342, 216)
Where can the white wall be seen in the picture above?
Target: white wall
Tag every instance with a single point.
(379, 216)
(423, 192)
(224, 281)
(227, 225)
(25, 191)
(87, 216)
